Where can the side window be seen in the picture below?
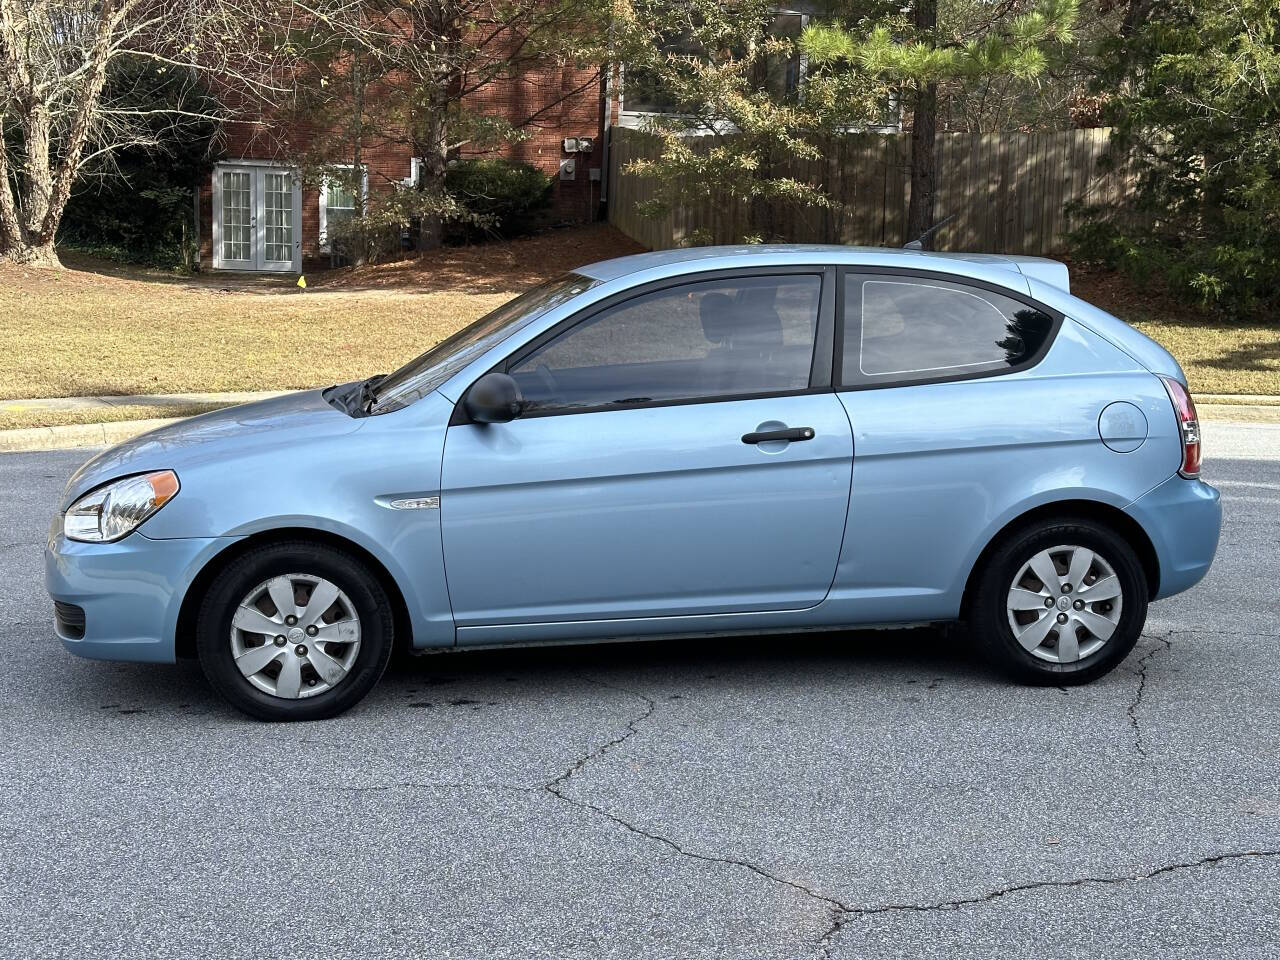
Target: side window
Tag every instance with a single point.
(902, 329)
(729, 337)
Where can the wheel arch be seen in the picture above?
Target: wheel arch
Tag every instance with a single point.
(1095, 510)
(184, 631)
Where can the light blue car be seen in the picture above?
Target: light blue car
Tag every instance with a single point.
(705, 441)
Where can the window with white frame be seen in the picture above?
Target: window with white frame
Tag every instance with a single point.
(338, 201)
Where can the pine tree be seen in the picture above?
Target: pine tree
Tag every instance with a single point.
(920, 57)
(730, 131)
(1193, 95)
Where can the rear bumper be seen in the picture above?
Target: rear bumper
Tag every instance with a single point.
(1183, 518)
(130, 592)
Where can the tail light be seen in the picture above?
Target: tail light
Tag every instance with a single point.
(1188, 425)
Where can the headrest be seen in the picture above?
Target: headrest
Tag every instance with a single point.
(756, 320)
(715, 310)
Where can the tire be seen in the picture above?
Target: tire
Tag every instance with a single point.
(318, 665)
(1011, 594)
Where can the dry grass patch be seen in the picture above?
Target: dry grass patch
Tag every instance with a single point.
(103, 329)
(1218, 357)
(112, 331)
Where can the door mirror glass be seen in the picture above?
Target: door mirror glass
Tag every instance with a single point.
(494, 398)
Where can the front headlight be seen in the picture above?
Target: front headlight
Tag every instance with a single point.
(115, 510)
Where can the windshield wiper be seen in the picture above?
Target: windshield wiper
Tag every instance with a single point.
(369, 393)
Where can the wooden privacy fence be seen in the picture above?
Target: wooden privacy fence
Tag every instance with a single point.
(1007, 191)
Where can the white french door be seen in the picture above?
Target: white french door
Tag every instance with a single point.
(257, 218)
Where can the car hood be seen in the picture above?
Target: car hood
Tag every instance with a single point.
(221, 435)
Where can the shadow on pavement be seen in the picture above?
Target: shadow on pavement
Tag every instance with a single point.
(875, 657)
(923, 652)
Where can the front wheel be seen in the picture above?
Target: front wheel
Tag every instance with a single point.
(1060, 602)
(294, 631)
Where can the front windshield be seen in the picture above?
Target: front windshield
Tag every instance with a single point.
(419, 377)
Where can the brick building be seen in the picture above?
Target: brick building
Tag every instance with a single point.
(255, 213)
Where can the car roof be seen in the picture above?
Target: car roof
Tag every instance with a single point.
(692, 259)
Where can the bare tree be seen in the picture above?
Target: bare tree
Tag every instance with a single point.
(59, 116)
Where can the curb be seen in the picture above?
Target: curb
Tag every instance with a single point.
(105, 433)
(72, 436)
(1238, 399)
(1238, 412)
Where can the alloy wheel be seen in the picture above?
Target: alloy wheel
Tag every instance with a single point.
(295, 636)
(1064, 604)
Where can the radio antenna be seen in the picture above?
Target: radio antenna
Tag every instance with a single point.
(918, 243)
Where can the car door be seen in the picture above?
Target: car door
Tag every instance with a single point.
(957, 411)
(681, 453)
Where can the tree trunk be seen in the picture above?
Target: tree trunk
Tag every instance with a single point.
(361, 240)
(44, 186)
(924, 185)
(442, 84)
(17, 245)
(31, 255)
(435, 156)
(924, 122)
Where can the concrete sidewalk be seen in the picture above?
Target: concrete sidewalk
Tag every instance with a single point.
(1231, 409)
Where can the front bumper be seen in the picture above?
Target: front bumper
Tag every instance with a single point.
(1183, 518)
(130, 592)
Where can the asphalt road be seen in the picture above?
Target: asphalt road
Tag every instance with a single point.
(852, 796)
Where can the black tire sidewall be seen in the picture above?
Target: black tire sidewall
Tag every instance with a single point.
(991, 623)
(260, 564)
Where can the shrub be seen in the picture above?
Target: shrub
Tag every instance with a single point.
(137, 205)
(509, 197)
(1192, 96)
(155, 228)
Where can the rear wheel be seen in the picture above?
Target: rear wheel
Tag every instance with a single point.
(294, 631)
(1060, 602)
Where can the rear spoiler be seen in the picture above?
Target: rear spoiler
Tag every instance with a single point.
(1052, 272)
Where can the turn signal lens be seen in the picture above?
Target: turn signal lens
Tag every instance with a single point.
(116, 509)
(1188, 425)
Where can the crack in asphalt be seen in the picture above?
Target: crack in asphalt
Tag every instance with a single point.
(555, 789)
(840, 913)
(948, 905)
(1141, 668)
(825, 944)
(631, 731)
(831, 903)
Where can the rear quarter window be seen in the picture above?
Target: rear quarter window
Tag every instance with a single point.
(904, 329)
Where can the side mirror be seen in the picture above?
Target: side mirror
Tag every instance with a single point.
(494, 398)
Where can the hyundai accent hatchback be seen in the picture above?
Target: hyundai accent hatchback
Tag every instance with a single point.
(705, 441)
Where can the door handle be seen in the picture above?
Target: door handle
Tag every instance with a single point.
(791, 433)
